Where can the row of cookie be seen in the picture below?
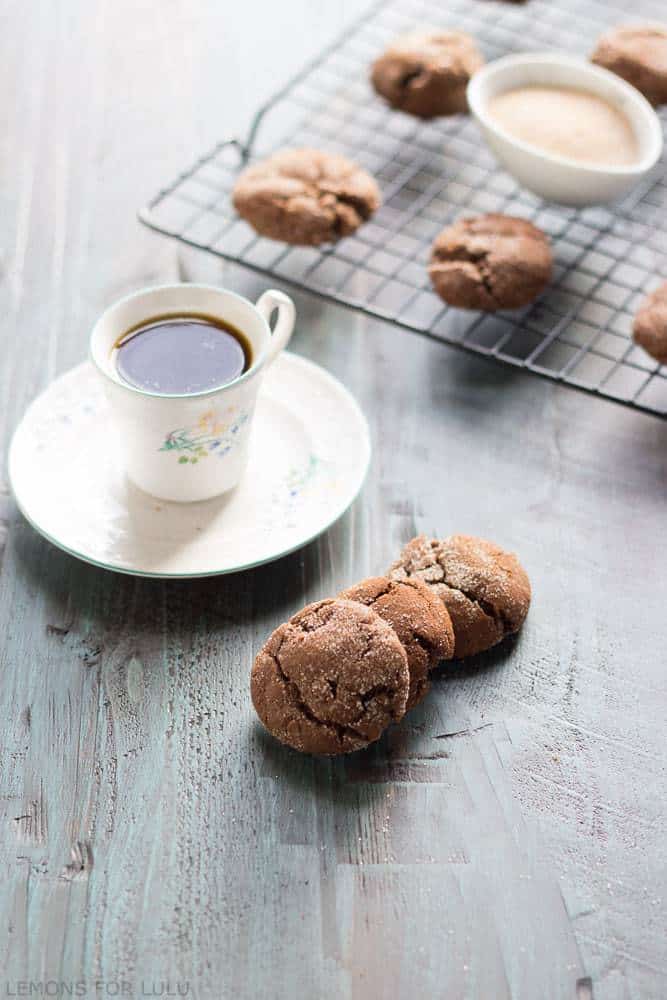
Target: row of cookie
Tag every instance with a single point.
(488, 262)
(307, 197)
(332, 678)
(426, 73)
(492, 262)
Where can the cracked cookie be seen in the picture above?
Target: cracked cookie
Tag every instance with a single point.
(650, 326)
(419, 619)
(425, 73)
(331, 679)
(490, 262)
(638, 54)
(485, 589)
(305, 196)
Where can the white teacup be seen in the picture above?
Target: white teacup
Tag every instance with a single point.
(192, 446)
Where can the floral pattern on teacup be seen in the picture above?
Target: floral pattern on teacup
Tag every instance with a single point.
(213, 434)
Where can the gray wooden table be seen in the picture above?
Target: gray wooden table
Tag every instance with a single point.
(506, 841)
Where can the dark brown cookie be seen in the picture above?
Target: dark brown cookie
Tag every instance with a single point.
(305, 196)
(426, 73)
(419, 619)
(638, 53)
(485, 589)
(490, 262)
(331, 679)
(650, 326)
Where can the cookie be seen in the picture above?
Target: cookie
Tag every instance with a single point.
(419, 619)
(305, 196)
(485, 589)
(638, 53)
(650, 326)
(331, 679)
(490, 262)
(426, 73)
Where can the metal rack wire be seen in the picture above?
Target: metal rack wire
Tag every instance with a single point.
(431, 173)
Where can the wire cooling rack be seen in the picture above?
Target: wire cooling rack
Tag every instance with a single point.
(431, 173)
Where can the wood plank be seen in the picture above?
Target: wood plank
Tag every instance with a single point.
(507, 840)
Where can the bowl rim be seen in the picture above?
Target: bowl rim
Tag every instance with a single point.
(639, 107)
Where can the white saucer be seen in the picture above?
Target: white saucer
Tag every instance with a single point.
(309, 454)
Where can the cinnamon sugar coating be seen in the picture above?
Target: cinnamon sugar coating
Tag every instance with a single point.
(331, 679)
(305, 196)
(485, 589)
(425, 73)
(650, 325)
(420, 620)
(638, 54)
(490, 262)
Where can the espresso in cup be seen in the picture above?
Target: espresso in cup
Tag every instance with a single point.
(176, 355)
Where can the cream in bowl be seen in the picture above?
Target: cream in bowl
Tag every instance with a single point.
(562, 121)
(565, 129)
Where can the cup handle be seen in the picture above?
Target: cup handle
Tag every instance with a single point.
(267, 304)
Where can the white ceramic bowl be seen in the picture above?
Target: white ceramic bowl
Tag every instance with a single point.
(555, 177)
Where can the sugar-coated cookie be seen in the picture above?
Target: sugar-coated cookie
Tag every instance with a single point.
(331, 679)
(485, 589)
(490, 262)
(650, 326)
(419, 618)
(638, 53)
(305, 196)
(426, 72)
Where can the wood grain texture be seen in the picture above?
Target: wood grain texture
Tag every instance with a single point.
(507, 841)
